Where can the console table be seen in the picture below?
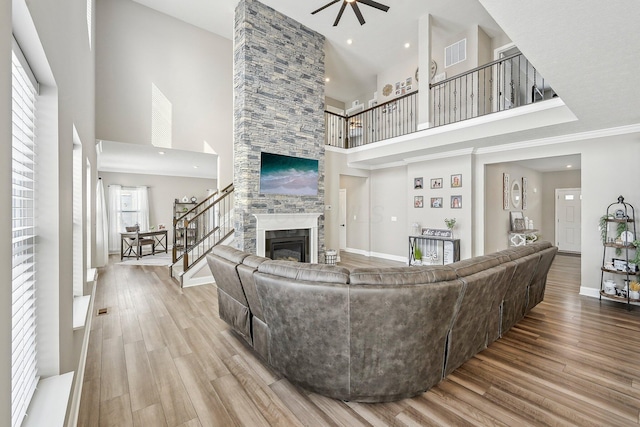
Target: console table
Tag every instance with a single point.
(133, 239)
(448, 248)
(519, 238)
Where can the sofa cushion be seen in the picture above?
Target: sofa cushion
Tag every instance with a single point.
(401, 275)
(474, 265)
(398, 337)
(304, 271)
(308, 327)
(229, 253)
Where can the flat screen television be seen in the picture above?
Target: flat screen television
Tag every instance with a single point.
(287, 175)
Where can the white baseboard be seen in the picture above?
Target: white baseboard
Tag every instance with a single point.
(376, 255)
(589, 292)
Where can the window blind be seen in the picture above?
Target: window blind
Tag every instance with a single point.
(24, 374)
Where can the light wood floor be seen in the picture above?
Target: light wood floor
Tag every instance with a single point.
(162, 357)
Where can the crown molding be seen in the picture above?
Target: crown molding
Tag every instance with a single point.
(561, 139)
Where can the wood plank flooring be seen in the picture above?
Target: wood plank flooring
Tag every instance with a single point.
(162, 357)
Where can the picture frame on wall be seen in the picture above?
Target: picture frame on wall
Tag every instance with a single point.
(436, 183)
(418, 201)
(506, 191)
(517, 221)
(524, 193)
(417, 183)
(456, 180)
(436, 202)
(456, 202)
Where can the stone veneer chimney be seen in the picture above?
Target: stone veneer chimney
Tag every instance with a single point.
(278, 108)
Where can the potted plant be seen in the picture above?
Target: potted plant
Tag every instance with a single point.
(450, 224)
(417, 254)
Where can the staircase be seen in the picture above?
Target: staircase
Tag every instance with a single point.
(213, 221)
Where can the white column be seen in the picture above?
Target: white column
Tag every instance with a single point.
(424, 62)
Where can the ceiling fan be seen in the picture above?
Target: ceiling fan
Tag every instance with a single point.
(354, 6)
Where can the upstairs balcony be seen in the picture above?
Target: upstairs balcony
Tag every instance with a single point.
(498, 86)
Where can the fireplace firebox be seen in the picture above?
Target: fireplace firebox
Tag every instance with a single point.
(288, 245)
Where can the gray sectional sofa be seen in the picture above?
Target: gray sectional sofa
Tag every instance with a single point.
(375, 334)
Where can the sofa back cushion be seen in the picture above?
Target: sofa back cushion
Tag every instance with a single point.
(307, 317)
(399, 334)
(515, 301)
(401, 275)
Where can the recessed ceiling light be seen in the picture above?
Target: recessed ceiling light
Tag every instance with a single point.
(349, 41)
(161, 152)
(569, 166)
(407, 45)
(327, 80)
(195, 167)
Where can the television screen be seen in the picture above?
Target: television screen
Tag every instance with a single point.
(288, 175)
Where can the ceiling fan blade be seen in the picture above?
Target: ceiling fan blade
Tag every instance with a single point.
(356, 9)
(375, 4)
(325, 6)
(344, 5)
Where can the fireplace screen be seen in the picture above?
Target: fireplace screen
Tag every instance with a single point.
(288, 245)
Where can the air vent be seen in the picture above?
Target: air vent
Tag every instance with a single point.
(102, 311)
(455, 53)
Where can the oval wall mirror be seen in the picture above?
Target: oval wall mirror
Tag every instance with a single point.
(516, 195)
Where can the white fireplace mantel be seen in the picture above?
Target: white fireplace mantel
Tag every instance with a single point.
(288, 221)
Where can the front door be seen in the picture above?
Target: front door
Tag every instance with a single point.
(568, 222)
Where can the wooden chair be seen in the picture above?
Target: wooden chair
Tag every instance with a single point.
(136, 243)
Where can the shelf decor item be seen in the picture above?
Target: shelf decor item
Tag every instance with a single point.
(619, 219)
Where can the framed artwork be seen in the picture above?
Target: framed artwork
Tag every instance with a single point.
(456, 202)
(517, 221)
(436, 183)
(456, 180)
(417, 183)
(505, 191)
(524, 193)
(418, 201)
(436, 202)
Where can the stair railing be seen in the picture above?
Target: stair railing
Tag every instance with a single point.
(213, 221)
(500, 85)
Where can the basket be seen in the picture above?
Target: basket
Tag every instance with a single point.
(331, 256)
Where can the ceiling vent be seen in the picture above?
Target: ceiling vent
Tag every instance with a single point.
(455, 53)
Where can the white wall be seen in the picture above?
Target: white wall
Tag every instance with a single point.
(429, 217)
(163, 190)
(5, 212)
(388, 201)
(55, 40)
(398, 73)
(138, 47)
(64, 63)
(600, 187)
(497, 219)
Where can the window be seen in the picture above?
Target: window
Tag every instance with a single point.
(24, 375)
(128, 206)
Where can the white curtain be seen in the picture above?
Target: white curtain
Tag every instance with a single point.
(115, 226)
(102, 227)
(143, 207)
(128, 206)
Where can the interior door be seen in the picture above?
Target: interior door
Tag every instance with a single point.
(568, 219)
(342, 218)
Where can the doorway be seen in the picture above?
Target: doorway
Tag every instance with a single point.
(342, 218)
(568, 219)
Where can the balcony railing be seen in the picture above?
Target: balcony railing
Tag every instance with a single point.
(384, 121)
(500, 85)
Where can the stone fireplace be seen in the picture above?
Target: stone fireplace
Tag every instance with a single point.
(282, 114)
